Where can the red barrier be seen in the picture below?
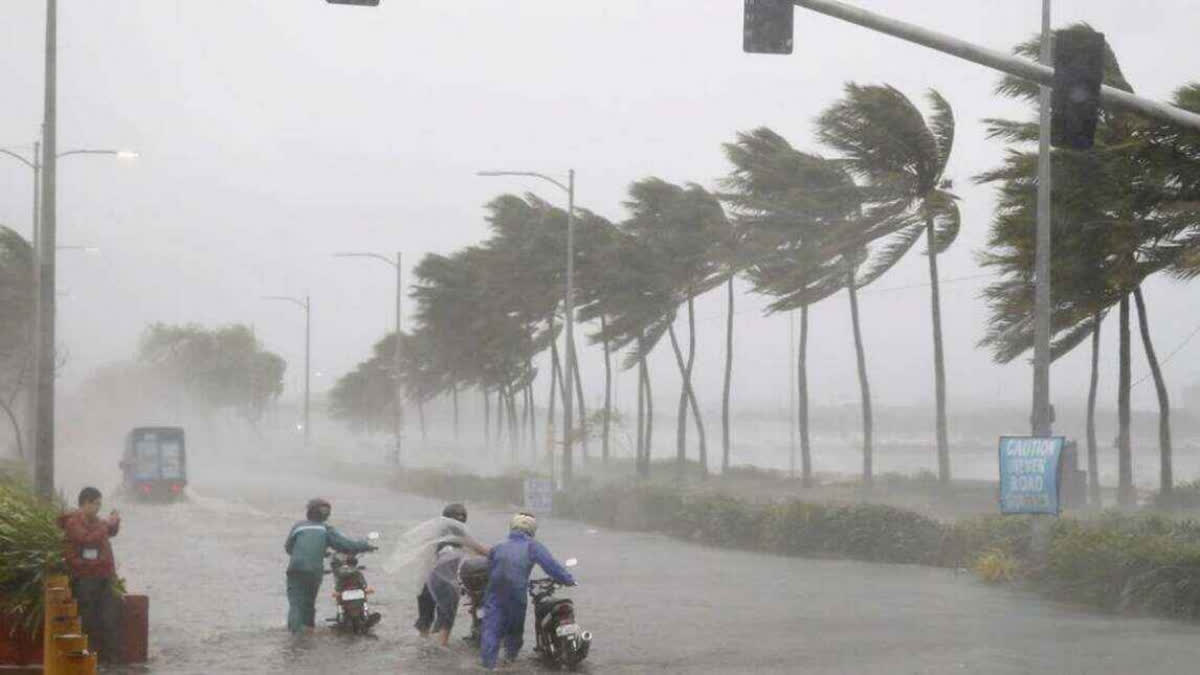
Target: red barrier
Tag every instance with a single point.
(135, 629)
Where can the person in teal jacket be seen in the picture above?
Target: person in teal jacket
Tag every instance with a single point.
(306, 544)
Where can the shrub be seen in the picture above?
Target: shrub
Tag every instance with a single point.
(996, 566)
(31, 546)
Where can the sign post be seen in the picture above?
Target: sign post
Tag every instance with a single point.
(1030, 479)
(539, 495)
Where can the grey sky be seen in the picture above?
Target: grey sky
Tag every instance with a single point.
(276, 132)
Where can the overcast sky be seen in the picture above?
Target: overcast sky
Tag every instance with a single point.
(274, 133)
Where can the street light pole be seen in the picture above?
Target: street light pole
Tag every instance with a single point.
(306, 305)
(569, 307)
(398, 391)
(1041, 419)
(44, 448)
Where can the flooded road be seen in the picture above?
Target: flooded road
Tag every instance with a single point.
(214, 570)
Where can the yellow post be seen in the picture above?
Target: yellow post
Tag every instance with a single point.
(79, 663)
(58, 608)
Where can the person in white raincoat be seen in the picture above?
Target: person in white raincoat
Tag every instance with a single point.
(434, 550)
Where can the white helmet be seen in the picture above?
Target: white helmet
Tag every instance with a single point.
(524, 522)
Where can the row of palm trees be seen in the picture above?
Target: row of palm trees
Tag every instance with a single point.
(801, 227)
(798, 226)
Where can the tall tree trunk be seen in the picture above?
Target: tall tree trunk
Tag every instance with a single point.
(701, 436)
(939, 359)
(454, 394)
(501, 413)
(1125, 492)
(864, 386)
(728, 377)
(554, 368)
(421, 420)
(688, 393)
(1166, 479)
(487, 419)
(806, 471)
(583, 418)
(529, 402)
(607, 392)
(16, 427)
(1093, 460)
(681, 413)
(641, 415)
(649, 413)
(517, 431)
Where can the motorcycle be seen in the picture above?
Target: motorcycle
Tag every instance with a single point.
(560, 640)
(350, 591)
(472, 582)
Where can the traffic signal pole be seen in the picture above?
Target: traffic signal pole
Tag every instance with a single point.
(1040, 418)
(991, 58)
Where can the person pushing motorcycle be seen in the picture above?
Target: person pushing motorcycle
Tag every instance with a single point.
(509, 565)
(305, 545)
(440, 591)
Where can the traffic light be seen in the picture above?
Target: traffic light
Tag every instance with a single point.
(364, 3)
(1078, 74)
(767, 27)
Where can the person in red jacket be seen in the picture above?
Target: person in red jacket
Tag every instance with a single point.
(90, 560)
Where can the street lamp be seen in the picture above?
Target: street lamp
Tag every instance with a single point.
(398, 417)
(569, 302)
(41, 413)
(306, 305)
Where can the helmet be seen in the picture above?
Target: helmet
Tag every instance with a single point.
(524, 522)
(318, 509)
(456, 511)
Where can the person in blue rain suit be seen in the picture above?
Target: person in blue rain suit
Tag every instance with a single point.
(509, 565)
(305, 546)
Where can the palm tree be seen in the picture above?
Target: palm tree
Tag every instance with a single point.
(682, 222)
(1122, 201)
(787, 203)
(883, 139)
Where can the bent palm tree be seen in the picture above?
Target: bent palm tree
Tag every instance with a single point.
(885, 140)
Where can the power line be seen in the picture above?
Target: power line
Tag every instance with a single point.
(1170, 356)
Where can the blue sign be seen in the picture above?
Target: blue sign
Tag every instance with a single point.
(539, 495)
(1029, 474)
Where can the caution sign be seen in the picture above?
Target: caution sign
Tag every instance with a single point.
(539, 495)
(1029, 474)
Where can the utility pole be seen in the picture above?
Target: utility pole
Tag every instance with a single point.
(1041, 420)
(792, 394)
(45, 255)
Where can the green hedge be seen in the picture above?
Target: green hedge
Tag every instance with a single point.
(1118, 562)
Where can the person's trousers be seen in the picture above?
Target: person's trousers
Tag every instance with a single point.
(502, 622)
(425, 608)
(302, 588)
(100, 613)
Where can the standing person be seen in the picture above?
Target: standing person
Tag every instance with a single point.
(509, 566)
(440, 591)
(306, 544)
(89, 558)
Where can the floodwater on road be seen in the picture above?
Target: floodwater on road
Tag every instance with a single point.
(213, 567)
